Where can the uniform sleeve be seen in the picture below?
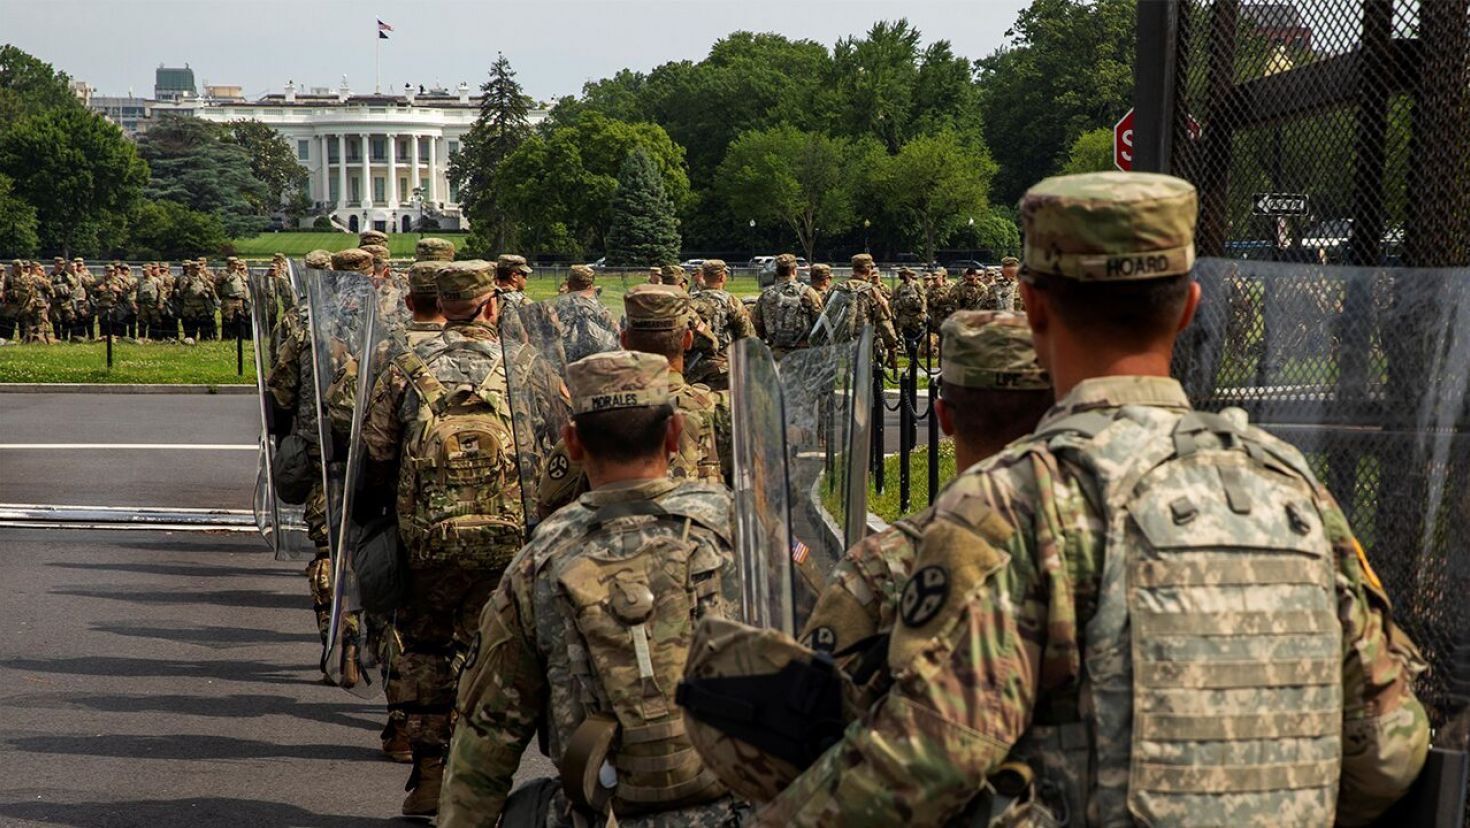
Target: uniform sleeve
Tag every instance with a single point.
(382, 432)
(285, 372)
(502, 694)
(740, 326)
(757, 317)
(858, 598)
(1385, 730)
(965, 686)
(562, 481)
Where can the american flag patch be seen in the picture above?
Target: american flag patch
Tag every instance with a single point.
(799, 552)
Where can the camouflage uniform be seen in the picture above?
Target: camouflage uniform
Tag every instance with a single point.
(1038, 619)
(32, 294)
(973, 294)
(869, 307)
(551, 653)
(942, 300)
(582, 319)
(910, 310)
(9, 308)
(1004, 288)
(113, 301)
(510, 277)
(233, 291)
(197, 301)
(821, 276)
(726, 319)
(786, 312)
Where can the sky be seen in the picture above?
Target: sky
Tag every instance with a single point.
(554, 46)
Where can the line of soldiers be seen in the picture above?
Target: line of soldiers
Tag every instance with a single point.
(1122, 611)
(70, 303)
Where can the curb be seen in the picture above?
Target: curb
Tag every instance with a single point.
(119, 388)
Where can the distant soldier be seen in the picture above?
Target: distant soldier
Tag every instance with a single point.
(170, 281)
(9, 308)
(197, 302)
(786, 312)
(511, 272)
(658, 323)
(942, 300)
(105, 299)
(233, 290)
(1005, 286)
(972, 293)
(208, 326)
(127, 300)
(910, 310)
(726, 320)
(676, 275)
(655, 275)
(821, 276)
(150, 297)
(63, 304)
(868, 307)
(33, 303)
(83, 283)
(585, 321)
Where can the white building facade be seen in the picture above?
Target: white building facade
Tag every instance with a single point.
(374, 161)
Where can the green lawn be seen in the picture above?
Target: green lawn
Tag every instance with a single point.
(208, 363)
(886, 505)
(293, 244)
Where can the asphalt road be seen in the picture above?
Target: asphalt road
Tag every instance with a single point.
(165, 679)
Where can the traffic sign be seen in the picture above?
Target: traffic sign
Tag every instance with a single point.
(1280, 204)
(1123, 143)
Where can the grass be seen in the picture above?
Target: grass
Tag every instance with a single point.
(886, 505)
(295, 244)
(544, 283)
(208, 363)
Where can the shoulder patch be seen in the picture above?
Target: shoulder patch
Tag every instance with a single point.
(823, 639)
(557, 468)
(924, 596)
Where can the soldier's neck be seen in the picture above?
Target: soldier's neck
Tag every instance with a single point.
(605, 474)
(1074, 362)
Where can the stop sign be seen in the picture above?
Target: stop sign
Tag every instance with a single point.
(1123, 143)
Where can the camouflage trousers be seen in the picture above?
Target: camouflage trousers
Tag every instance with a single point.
(35, 328)
(540, 802)
(234, 322)
(436, 624)
(150, 323)
(319, 571)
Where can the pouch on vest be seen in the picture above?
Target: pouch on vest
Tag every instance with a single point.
(381, 567)
(293, 470)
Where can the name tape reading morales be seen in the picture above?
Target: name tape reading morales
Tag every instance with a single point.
(1280, 204)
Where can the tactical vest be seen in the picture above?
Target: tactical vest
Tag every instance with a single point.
(860, 311)
(786, 322)
(1214, 658)
(908, 303)
(148, 293)
(713, 307)
(628, 591)
(459, 497)
(586, 328)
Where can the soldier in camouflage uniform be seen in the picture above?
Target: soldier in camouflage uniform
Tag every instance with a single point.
(821, 276)
(197, 301)
(112, 301)
(1141, 613)
(942, 300)
(208, 320)
(910, 311)
(676, 275)
(786, 312)
(565, 643)
(9, 308)
(438, 422)
(585, 323)
(1005, 285)
(151, 299)
(127, 305)
(233, 290)
(511, 272)
(67, 296)
(869, 307)
(658, 319)
(726, 320)
(32, 293)
(655, 275)
(972, 293)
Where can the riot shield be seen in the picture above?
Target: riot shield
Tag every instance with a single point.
(282, 525)
(762, 498)
(540, 340)
(345, 338)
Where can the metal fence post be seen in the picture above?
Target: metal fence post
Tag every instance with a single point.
(878, 416)
(1154, 64)
(905, 446)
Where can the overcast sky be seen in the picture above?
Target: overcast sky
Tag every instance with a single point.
(115, 45)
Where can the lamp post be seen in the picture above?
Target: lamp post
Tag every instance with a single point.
(866, 224)
(418, 203)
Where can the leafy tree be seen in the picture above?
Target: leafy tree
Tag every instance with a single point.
(1068, 69)
(17, 224)
(802, 180)
(644, 228)
(876, 76)
(935, 184)
(273, 161)
(79, 174)
(201, 166)
(1091, 152)
(169, 230)
(502, 126)
(29, 86)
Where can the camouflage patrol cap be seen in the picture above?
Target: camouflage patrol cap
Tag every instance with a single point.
(279, 257)
(713, 267)
(788, 259)
(319, 259)
(862, 261)
(581, 277)
(434, 249)
(231, 259)
(656, 308)
(939, 271)
(618, 379)
(368, 237)
(906, 271)
(423, 278)
(1009, 261)
(509, 263)
(353, 260)
(379, 252)
(677, 271)
(656, 271)
(1110, 226)
(821, 270)
(469, 279)
(990, 350)
(59, 260)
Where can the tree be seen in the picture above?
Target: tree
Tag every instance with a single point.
(17, 224)
(644, 229)
(502, 126)
(783, 175)
(1068, 69)
(273, 161)
(1091, 152)
(29, 86)
(199, 165)
(79, 174)
(169, 230)
(936, 183)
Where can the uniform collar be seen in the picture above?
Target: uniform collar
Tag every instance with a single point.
(1116, 392)
(628, 490)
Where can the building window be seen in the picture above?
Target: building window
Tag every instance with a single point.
(454, 191)
(356, 189)
(332, 151)
(379, 186)
(379, 148)
(303, 150)
(335, 187)
(424, 150)
(403, 191)
(453, 148)
(353, 151)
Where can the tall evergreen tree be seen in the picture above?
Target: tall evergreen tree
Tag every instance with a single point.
(644, 230)
(502, 126)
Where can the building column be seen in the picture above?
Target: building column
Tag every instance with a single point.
(434, 169)
(324, 186)
(413, 164)
(392, 172)
(341, 171)
(367, 174)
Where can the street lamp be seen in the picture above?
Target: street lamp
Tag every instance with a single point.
(866, 225)
(418, 203)
(752, 237)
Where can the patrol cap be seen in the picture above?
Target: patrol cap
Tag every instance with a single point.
(469, 279)
(1009, 261)
(379, 252)
(939, 271)
(317, 260)
(509, 263)
(651, 307)
(862, 261)
(1110, 226)
(60, 260)
(990, 350)
(368, 237)
(906, 271)
(581, 277)
(821, 270)
(231, 259)
(618, 379)
(279, 257)
(434, 249)
(713, 267)
(656, 271)
(677, 271)
(353, 260)
(788, 259)
(423, 278)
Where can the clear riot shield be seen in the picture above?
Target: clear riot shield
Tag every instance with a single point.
(282, 525)
(762, 497)
(540, 340)
(345, 335)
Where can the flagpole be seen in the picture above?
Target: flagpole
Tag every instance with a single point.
(378, 61)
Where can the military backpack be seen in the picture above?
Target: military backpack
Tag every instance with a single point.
(786, 321)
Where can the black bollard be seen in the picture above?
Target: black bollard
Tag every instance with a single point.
(239, 350)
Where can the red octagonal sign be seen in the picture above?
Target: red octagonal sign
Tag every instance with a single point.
(1123, 143)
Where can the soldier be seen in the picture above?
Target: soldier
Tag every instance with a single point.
(585, 321)
(107, 299)
(63, 300)
(588, 633)
(431, 427)
(1005, 286)
(172, 292)
(206, 314)
(9, 307)
(655, 275)
(821, 276)
(868, 306)
(195, 298)
(658, 320)
(726, 320)
(33, 305)
(232, 290)
(127, 300)
(910, 311)
(151, 299)
(941, 300)
(511, 272)
(676, 275)
(1233, 627)
(786, 312)
(371, 237)
(972, 293)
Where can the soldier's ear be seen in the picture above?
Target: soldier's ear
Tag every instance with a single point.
(946, 417)
(675, 431)
(686, 340)
(575, 450)
(1190, 305)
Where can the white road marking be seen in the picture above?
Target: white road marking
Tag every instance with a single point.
(130, 446)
